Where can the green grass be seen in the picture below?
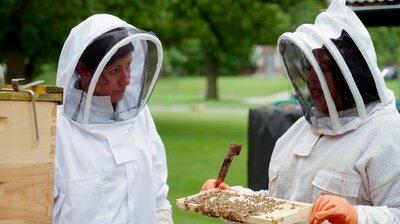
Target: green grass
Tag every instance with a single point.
(394, 85)
(232, 90)
(196, 144)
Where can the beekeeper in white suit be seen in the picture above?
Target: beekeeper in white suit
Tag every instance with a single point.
(110, 161)
(343, 154)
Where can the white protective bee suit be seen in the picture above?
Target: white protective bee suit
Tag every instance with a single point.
(352, 150)
(110, 164)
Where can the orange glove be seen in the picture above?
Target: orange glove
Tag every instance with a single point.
(335, 209)
(210, 184)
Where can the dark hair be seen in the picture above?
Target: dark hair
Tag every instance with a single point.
(95, 52)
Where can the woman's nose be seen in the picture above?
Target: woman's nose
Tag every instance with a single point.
(312, 75)
(125, 78)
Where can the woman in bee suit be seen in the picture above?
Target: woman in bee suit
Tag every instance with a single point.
(343, 154)
(110, 160)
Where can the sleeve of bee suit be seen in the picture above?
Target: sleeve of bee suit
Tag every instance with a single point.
(368, 214)
(164, 216)
(59, 195)
(164, 212)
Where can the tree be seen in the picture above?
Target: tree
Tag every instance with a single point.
(199, 36)
(387, 44)
(33, 33)
(226, 30)
(207, 37)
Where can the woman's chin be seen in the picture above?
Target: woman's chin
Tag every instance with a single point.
(116, 99)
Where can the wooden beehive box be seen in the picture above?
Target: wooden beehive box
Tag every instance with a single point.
(27, 165)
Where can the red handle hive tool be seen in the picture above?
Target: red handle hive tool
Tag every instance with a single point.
(233, 150)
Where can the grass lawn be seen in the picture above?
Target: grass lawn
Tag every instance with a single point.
(232, 90)
(196, 144)
(394, 85)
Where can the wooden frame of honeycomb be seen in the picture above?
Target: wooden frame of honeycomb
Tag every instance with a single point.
(234, 206)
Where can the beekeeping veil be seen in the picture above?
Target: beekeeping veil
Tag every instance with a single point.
(84, 106)
(333, 69)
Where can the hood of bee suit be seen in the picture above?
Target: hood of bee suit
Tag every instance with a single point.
(333, 69)
(115, 35)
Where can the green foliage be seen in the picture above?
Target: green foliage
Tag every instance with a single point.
(387, 44)
(192, 32)
(224, 30)
(394, 85)
(37, 29)
(301, 12)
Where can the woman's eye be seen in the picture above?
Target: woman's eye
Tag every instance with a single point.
(326, 69)
(114, 71)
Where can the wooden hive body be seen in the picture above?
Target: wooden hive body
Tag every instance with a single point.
(27, 168)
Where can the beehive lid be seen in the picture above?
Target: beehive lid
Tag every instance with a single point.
(41, 93)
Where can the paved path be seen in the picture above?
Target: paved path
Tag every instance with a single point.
(267, 100)
(197, 107)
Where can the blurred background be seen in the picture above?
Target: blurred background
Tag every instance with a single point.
(220, 61)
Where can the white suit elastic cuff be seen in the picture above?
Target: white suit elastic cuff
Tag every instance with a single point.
(164, 216)
(244, 190)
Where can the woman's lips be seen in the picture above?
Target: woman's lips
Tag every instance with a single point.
(316, 93)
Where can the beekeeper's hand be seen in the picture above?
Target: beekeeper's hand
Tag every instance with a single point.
(210, 184)
(335, 209)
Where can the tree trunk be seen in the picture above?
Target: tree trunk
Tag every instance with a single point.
(13, 55)
(15, 65)
(211, 69)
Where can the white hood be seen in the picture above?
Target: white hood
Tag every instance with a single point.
(84, 107)
(336, 47)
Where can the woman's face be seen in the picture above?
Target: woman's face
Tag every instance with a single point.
(113, 80)
(316, 92)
